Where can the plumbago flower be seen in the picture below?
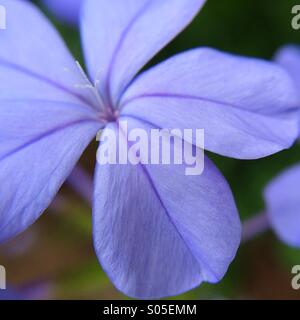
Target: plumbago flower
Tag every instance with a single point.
(157, 232)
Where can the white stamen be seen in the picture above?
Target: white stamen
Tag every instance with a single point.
(82, 72)
(89, 85)
(94, 89)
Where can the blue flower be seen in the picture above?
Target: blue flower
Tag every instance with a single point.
(282, 209)
(288, 57)
(157, 232)
(282, 197)
(32, 291)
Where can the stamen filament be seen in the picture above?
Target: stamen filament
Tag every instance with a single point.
(255, 226)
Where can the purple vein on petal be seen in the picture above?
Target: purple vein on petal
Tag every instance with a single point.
(180, 96)
(155, 190)
(119, 46)
(140, 119)
(38, 76)
(71, 105)
(152, 184)
(149, 123)
(199, 98)
(47, 133)
(51, 173)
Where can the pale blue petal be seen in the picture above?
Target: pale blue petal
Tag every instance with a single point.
(289, 58)
(282, 198)
(120, 37)
(158, 232)
(65, 10)
(34, 61)
(40, 143)
(45, 120)
(247, 107)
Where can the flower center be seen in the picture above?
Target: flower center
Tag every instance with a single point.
(107, 112)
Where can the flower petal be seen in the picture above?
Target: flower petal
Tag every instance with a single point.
(289, 58)
(120, 37)
(40, 143)
(282, 197)
(158, 232)
(66, 10)
(45, 123)
(37, 64)
(246, 106)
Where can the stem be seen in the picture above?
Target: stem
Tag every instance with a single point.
(255, 226)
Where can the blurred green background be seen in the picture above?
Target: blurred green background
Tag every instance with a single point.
(57, 250)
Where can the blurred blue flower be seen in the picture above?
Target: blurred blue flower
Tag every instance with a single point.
(282, 198)
(32, 291)
(283, 194)
(289, 58)
(12, 294)
(157, 232)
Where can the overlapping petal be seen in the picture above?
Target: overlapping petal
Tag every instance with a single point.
(120, 37)
(37, 154)
(158, 232)
(44, 123)
(34, 61)
(289, 58)
(247, 107)
(282, 198)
